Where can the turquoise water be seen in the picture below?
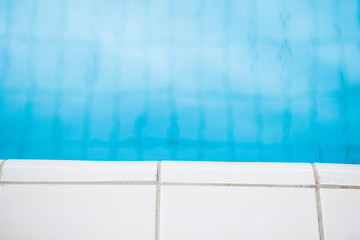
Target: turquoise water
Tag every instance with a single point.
(180, 79)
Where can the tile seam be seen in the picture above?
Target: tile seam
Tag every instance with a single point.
(334, 186)
(237, 185)
(2, 164)
(318, 201)
(78, 182)
(157, 206)
(324, 186)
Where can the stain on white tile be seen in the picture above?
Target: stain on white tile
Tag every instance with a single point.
(341, 213)
(237, 173)
(339, 174)
(47, 170)
(233, 213)
(1, 167)
(58, 212)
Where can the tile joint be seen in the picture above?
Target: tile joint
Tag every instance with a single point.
(157, 207)
(78, 182)
(238, 185)
(189, 184)
(318, 201)
(2, 164)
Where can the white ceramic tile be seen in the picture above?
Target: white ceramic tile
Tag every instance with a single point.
(234, 213)
(1, 162)
(341, 213)
(339, 174)
(58, 212)
(44, 170)
(229, 172)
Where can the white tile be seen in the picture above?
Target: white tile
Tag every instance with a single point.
(243, 173)
(54, 170)
(339, 174)
(58, 212)
(233, 213)
(341, 213)
(1, 166)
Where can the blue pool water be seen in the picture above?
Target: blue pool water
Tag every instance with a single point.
(180, 79)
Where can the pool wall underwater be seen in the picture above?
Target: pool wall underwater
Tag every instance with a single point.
(267, 81)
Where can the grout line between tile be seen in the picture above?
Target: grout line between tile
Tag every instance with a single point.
(236, 185)
(333, 186)
(158, 182)
(157, 207)
(78, 182)
(1, 168)
(318, 201)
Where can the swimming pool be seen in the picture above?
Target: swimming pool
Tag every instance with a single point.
(266, 81)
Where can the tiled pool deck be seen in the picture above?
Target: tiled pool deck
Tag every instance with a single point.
(171, 200)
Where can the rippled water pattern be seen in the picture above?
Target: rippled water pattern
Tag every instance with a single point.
(199, 80)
